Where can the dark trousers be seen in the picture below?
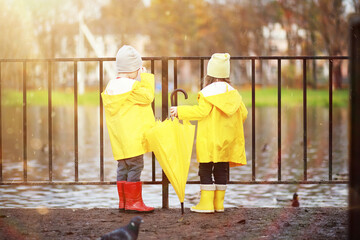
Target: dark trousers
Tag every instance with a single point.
(218, 171)
(130, 169)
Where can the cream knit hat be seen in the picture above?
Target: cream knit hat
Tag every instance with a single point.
(219, 65)
(128, 59)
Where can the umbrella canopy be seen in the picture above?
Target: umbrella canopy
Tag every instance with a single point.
(172, 143)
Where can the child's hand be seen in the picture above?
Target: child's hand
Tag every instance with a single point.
(173, 112)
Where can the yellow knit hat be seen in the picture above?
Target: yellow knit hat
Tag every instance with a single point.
(219, 65)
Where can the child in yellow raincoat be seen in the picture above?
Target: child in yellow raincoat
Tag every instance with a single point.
(220, 135)
(128, 115)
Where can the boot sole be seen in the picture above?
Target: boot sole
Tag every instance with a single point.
(202, 211)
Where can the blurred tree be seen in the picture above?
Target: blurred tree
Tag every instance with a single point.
(49, 28)
(263, 10)
(291, 24)
(307, 15)
(311, 16)
(53, 21)
(38, 29)
(324, 22)
(16, 37)
(204, 29)
(177, 27)
(16, 41)
(232, 23)
(333, 28)
(123, 19)
(356, 5)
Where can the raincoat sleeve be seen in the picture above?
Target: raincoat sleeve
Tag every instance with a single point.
(195, 112)
(143, 92)
(244, 112)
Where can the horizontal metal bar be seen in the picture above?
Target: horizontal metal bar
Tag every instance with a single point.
(107, 59)
(263, 58)
(177, 58)
(36, 183)
(59, 60)
(289, 182)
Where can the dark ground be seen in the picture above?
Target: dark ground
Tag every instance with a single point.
(234, 223)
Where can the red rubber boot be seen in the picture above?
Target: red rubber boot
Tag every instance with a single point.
(133, 196)
(120, 188)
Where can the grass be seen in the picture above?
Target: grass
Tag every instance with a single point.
(40, 98)
(263, 97)
(267, 97)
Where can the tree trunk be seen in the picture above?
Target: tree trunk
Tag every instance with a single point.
(314, 74)
(262, 80)
(313, 52)
(337, 75)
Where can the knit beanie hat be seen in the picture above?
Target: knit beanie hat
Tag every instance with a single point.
(219, 65)
(128, 59)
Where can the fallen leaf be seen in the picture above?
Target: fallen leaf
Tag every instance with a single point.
(243, 221)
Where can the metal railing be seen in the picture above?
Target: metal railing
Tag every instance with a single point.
(165, 86)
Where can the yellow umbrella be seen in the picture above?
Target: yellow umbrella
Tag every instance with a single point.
(172, 142)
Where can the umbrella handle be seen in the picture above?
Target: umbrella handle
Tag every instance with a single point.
(173, 93)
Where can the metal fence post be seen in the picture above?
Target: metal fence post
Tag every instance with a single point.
(76, 147)
(0, 131)
(165, 106)
(153, 173)
(24, 124)
(279, 119)
(201, 73)
(101, 82)
(354, 166)
(175, 81)
(330, 116)
(253, 163)
(50, 122)
(305, 118)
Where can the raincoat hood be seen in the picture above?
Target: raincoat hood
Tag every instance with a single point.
(113, 103)
(223, 96)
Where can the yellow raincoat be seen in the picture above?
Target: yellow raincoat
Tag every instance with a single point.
(220, 134)
(128, 116)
